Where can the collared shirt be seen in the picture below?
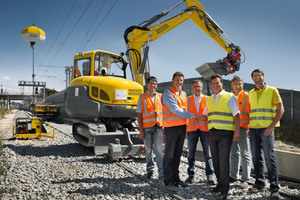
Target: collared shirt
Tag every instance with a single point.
(139, 104)
(170, 102)
(232, 104)
(197, 102)
(275, 98)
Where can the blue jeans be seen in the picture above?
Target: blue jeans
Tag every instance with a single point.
(241, 149)
(154, 141)
(193, 138)
(260, 143)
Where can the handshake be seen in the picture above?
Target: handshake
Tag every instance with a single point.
(200, 117)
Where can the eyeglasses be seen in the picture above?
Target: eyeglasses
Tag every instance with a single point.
(257, 75)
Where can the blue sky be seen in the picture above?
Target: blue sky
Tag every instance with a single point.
(267, 31)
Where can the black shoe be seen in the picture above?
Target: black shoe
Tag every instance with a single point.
(232, 180)
(181, 183)
(149, 175)
(189, 180)
(210, 180)
(256, 189)
(171, 187)
(215, 189)
(274, 196)
(222, 196)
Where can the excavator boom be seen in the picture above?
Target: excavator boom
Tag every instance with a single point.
(139, 37)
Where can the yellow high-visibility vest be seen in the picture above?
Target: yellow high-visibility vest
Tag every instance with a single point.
(219, 115)
(262, 113)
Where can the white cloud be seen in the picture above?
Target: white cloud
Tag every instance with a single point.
(5, 78)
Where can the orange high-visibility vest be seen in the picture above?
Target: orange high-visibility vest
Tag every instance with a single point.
(244, 108)
(169, 118)
(152, 114)
(194, 124)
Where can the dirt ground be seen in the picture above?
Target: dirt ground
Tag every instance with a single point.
(7, 122)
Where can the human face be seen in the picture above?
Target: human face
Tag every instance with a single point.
(258, 79)
(217, 85)
(197, 88)
(237, 86)
(151, 86)
(177, 82)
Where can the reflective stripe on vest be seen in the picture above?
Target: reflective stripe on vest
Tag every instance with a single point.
(219, 115)
(194, 124)
(169, 118)
(152, 114)
(243, 102)
(262, 113)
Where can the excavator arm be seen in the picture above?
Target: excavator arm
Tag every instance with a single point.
(137, 39)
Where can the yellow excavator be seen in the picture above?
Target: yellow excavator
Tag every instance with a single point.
(137, 39)
(101, 101)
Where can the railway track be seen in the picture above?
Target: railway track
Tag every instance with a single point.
(77, 172)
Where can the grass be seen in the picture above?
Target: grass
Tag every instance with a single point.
(289, 132)
(3, 112)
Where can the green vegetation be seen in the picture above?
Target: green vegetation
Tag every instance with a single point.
(289, 132)
(3, 112)
(48, 91)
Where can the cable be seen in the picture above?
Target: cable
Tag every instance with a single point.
(91, 25)
(59, 31)
(99, 24)
(71, 31)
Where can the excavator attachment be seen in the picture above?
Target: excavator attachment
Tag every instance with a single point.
(228, 65)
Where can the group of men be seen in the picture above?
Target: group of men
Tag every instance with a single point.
(228, 124)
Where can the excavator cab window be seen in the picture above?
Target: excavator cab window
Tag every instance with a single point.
(83, 67)
(108, 65)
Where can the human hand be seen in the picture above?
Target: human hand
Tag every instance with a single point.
(142, 135)
(236, 136)
(269, 131)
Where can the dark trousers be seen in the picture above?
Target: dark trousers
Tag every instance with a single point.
(174, 139)
(220, 142)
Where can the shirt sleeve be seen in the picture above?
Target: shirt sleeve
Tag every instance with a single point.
(233, 105)
(276, 97)
(170, 102)
(139, 106)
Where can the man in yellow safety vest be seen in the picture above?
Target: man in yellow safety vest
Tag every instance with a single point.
(222, 112)
(266, 109)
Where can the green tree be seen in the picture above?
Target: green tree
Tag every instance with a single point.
(48, 91)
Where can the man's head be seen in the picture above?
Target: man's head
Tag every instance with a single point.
(258, 78)
(237, 84)
(151, 84)
(197, 87)
(177, 80)
(216, 81)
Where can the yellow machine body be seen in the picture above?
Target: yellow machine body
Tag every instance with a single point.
(31, 127)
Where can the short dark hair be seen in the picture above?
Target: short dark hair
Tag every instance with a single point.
(257, 70)
(236, 78)
(177, 74)
(197, 81)
(151, 78)
(216, 76)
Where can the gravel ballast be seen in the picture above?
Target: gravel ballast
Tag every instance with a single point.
(63, 169)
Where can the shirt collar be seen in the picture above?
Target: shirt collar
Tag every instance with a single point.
(219, 93)
(148, 92)
(265, 85)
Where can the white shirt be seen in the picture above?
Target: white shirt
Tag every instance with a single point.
(232, 104)
(197, 102)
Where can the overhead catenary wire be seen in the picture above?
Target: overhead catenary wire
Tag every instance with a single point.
(110, 9)
(86, 35)
(59, 32)
(71, 31)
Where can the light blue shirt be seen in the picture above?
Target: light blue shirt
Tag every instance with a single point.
(171, 103)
